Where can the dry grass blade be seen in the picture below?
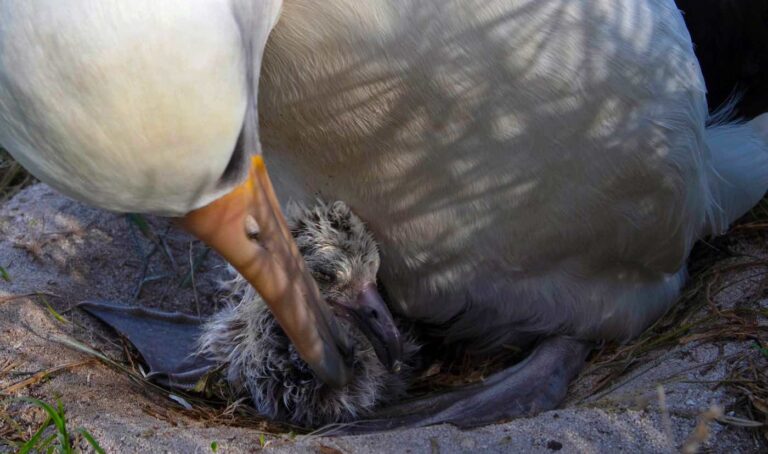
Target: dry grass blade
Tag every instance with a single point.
(8, 366)
(665, 419)
(739, 422)
(42, 375)
(9, 298)
(701, 432)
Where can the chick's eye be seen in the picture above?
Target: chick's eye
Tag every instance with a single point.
(324, 277)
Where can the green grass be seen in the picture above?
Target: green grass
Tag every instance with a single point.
(52, 436)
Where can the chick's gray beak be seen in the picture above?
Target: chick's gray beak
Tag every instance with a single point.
(372, 316)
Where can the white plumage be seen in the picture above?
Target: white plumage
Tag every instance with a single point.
(128, 106)
(537, 166)
(530, 168)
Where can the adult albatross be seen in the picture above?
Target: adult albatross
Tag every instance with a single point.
(535, 171)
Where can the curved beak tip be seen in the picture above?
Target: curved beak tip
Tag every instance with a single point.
(374, 319)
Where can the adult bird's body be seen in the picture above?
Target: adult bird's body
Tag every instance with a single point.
(528, 167)
(532, 169)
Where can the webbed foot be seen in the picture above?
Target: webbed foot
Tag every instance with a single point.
(536, 384)
(166, 341)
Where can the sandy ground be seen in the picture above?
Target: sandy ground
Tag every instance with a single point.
(51, 244)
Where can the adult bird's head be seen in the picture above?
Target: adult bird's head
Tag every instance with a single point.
(151, 106)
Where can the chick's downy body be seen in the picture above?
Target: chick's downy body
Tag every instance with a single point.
(258, 359)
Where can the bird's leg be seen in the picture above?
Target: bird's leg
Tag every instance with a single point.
(536, 384)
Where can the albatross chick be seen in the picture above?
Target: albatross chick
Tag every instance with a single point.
(257, 358)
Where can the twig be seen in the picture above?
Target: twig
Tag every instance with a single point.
(42, 375)
(7, 367)
(9, 298)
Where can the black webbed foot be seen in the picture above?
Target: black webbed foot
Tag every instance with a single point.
(166, 341)
(536, 384)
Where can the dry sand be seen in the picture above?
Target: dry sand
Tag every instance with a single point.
(49, 243)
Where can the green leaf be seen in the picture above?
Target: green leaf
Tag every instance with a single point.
(4, 274)
(214, 446)
(91, 441)
(141, 223)
(46, 445)
(58, 421)
(60, 407)
(52, 311)
(32, 442)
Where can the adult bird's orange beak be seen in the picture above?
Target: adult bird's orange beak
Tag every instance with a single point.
(248, 229)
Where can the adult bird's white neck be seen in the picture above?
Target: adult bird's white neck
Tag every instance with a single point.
(124, 94)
